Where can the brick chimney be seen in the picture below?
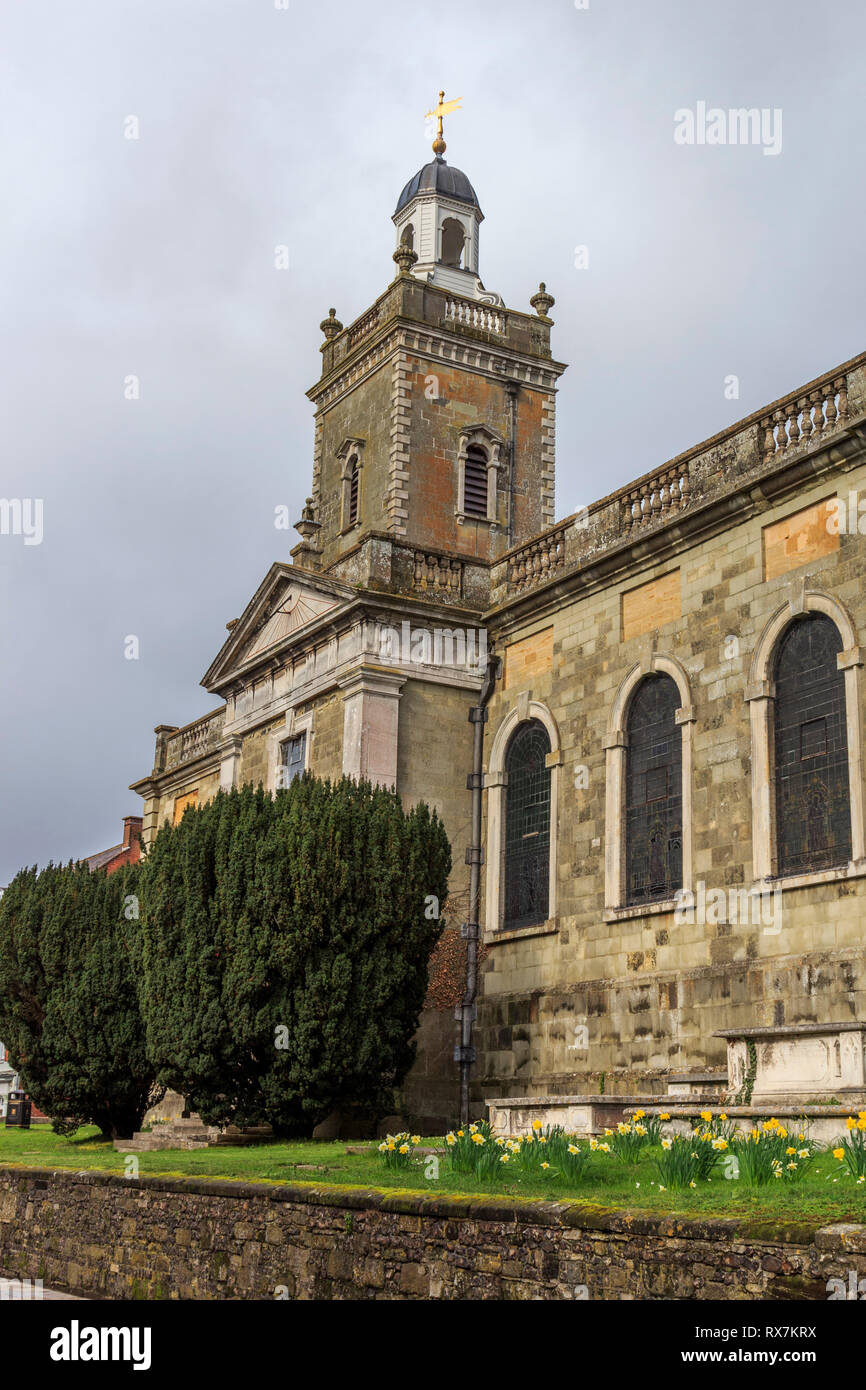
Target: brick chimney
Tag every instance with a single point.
(131, 830)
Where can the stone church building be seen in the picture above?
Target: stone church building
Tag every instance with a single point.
(674, 837)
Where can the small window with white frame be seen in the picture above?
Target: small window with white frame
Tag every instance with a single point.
(293, 759)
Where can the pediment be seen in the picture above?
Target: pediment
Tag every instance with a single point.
(295, 607)
(284, 606)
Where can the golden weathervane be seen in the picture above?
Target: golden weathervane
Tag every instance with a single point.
(443, 109)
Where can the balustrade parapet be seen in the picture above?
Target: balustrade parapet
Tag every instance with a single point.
(816, 412)
(194, 740)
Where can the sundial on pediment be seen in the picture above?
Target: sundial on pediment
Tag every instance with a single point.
(294, 608)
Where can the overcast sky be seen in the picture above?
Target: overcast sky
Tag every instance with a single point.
(262, 126)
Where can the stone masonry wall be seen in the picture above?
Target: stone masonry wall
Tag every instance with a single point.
(651, 991)
(159, 1238)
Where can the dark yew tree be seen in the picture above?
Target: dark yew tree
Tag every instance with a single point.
(69, 1013)
(285, 942)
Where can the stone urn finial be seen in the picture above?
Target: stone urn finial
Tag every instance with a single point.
(542, 302)
(331, 326)
(405, 258)
(308, 525)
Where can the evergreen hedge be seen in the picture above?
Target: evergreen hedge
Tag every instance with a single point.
(284, 944)
(69, 1013)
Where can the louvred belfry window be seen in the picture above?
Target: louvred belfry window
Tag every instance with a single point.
(475, 482)
(813, 805)
(354, 482)
(527, 827)
(654, 793)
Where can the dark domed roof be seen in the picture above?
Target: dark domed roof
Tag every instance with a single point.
(438, 177)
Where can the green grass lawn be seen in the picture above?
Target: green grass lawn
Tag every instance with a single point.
(607, 1182)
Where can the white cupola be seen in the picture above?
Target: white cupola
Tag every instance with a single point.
(438, 216)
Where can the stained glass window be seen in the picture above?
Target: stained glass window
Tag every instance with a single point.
(654, 793)
(813, 806)
(527, 827)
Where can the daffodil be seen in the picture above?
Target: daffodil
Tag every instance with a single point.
(706, 1115)
(536, 1125)
(664, 1116)
(838, 1153)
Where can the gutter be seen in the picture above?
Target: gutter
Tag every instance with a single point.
(464, 1052)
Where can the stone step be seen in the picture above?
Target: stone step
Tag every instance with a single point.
(190, 1132)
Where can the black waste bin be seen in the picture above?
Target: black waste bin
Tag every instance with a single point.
(18, 1110)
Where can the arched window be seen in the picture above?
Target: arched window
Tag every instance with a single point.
(354, 490)
(408, 237)
(527, 827)
(453, 237)
(813, 802)
(654, 793)
(475, 482)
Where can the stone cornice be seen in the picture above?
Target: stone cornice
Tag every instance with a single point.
(404, 335)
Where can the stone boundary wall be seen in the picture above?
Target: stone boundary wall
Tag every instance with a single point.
(103, 1235)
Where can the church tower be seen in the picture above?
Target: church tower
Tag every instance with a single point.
(435, 413)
